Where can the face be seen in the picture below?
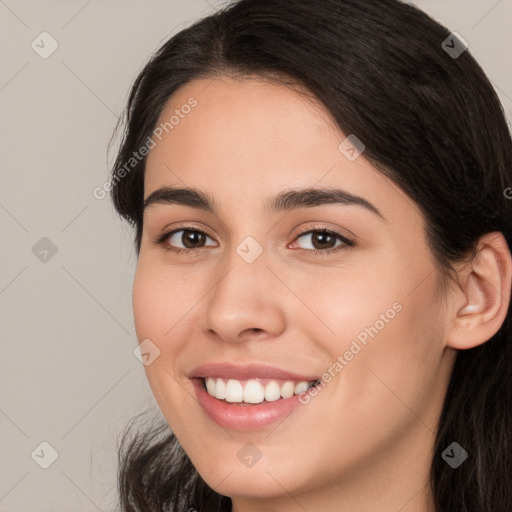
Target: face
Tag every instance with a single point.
(258, 298)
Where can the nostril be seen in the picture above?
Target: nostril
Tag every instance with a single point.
(251, 330)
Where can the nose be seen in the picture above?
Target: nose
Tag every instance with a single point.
(246, 301)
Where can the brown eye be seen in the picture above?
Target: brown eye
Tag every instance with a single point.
(191, 239)
(187, 239)
(322, 240)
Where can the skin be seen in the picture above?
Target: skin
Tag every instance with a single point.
(365, 441)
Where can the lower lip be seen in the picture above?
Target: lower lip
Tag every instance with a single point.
(247, 416)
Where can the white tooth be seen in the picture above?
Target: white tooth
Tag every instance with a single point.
(210, 386)
(234, 391)
(220, 389)
(300, 387)
(287, 389)
(253, 392)
(272, 391)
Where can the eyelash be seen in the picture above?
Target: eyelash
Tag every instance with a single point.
(347, 243)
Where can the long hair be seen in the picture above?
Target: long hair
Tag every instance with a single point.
(430, 121)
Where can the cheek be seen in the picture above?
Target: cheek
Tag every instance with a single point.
(158, 306)
(342, 305)
(383, 295)
(375, 322)
(161, 299)
(392, 356)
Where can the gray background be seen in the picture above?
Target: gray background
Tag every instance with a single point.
(68, 373)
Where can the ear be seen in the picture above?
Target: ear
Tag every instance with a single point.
(482, 301)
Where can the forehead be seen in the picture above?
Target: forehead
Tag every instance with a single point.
(247, 119)
(254, 138)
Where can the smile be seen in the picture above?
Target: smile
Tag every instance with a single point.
(248, 397)
(254, 391)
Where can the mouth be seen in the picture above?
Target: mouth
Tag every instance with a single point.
(254, 391)
(249, 397)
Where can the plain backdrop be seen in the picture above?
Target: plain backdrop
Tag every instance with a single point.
(69, 380)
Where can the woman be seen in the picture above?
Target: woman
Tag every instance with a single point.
(322, 292)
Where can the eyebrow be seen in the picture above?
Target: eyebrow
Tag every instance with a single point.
(284, 201)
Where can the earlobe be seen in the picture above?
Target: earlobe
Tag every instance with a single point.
(484, 293)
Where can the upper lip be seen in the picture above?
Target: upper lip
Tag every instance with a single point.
(226, 370)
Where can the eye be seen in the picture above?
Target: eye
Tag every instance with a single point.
(185, 239)
(323, 241)
(319, 241)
